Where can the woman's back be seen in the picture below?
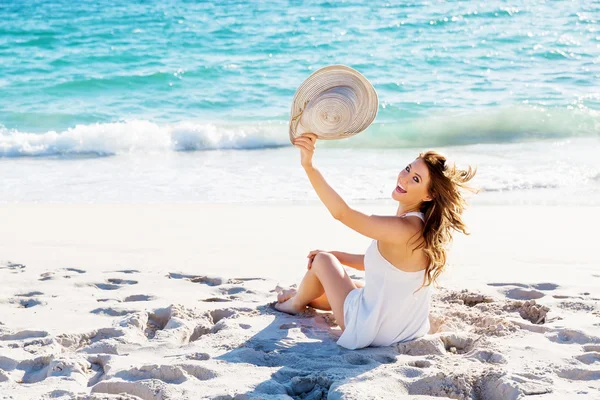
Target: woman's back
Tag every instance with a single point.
(387, 310)
(402, 257)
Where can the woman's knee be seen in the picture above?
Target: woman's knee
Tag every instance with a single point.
(322, 259)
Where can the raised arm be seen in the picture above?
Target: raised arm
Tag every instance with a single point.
(389, 229)
(333, 201)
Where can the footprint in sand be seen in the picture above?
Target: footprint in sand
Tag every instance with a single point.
(313, 386)
(591, 347)
(576, 306)
(113, 284)
(13, 267)
(439, 344)
(198, 356)
(105, 300)
(546, 286)
(22, 335)
(26, 300)
(106, 286)
(247, 279)
(111, 312)
(139, 297)
(28, 303)
(521, 291)
(46, 276)
(79, 271)
(219, 314)
(217, 300)
(142, 380)
(236, 290)
(492, 384)
(523, 294)
(488, 356)
(77, 369)
(68, 274)
(592, 357)
(569, 336)
(579, 374)
(208, 280)
(118, 281)
(354, 358)
(159, 325)
(128, 271)
(30, 294)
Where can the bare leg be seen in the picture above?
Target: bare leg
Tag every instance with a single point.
(326, 275)
(320, 303)
(309, 289)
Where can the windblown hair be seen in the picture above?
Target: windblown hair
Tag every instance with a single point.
(443, 212)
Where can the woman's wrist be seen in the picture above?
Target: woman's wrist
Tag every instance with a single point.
(308, 167)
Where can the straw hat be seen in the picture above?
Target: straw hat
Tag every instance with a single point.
(335, 102)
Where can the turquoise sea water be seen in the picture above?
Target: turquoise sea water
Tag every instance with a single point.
(131, 79)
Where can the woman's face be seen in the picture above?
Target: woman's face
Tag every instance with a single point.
(412, 184)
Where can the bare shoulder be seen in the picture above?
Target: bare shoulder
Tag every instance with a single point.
(399, 252)
(413, 221)
(409, 226)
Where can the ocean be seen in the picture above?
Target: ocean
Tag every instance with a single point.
(182, 101)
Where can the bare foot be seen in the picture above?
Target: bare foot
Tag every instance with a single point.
(284, 294)
(288, 307)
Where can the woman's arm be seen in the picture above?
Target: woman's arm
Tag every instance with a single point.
(333, 201)
(356, 261)
(390, 229)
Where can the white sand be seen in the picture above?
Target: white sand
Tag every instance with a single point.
(172, 302)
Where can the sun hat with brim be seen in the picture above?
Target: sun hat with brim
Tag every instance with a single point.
(334, 102)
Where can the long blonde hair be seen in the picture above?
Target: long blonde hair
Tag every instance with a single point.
(443, 212)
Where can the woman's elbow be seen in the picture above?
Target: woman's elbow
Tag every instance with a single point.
(340, 213)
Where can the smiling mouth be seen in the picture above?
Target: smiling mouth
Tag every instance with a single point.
(400, 190)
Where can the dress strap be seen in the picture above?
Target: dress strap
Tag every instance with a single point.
(415, 213)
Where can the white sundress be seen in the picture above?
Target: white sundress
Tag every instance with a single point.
(385, 311)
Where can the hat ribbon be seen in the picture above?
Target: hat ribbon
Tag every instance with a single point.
(297, 116)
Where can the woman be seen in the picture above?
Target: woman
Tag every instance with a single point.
(407, 254)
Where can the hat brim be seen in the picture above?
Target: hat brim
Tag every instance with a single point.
(339, 102)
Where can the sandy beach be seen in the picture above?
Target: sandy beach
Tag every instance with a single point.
(173, 302)
(152, 197)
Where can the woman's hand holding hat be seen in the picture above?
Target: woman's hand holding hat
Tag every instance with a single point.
(307, 144)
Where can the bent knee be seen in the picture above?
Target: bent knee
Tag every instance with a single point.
(323, 258)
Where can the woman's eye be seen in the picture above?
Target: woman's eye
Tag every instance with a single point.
(407, 169)
(416, 179)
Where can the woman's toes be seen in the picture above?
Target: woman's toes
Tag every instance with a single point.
(285, 294)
